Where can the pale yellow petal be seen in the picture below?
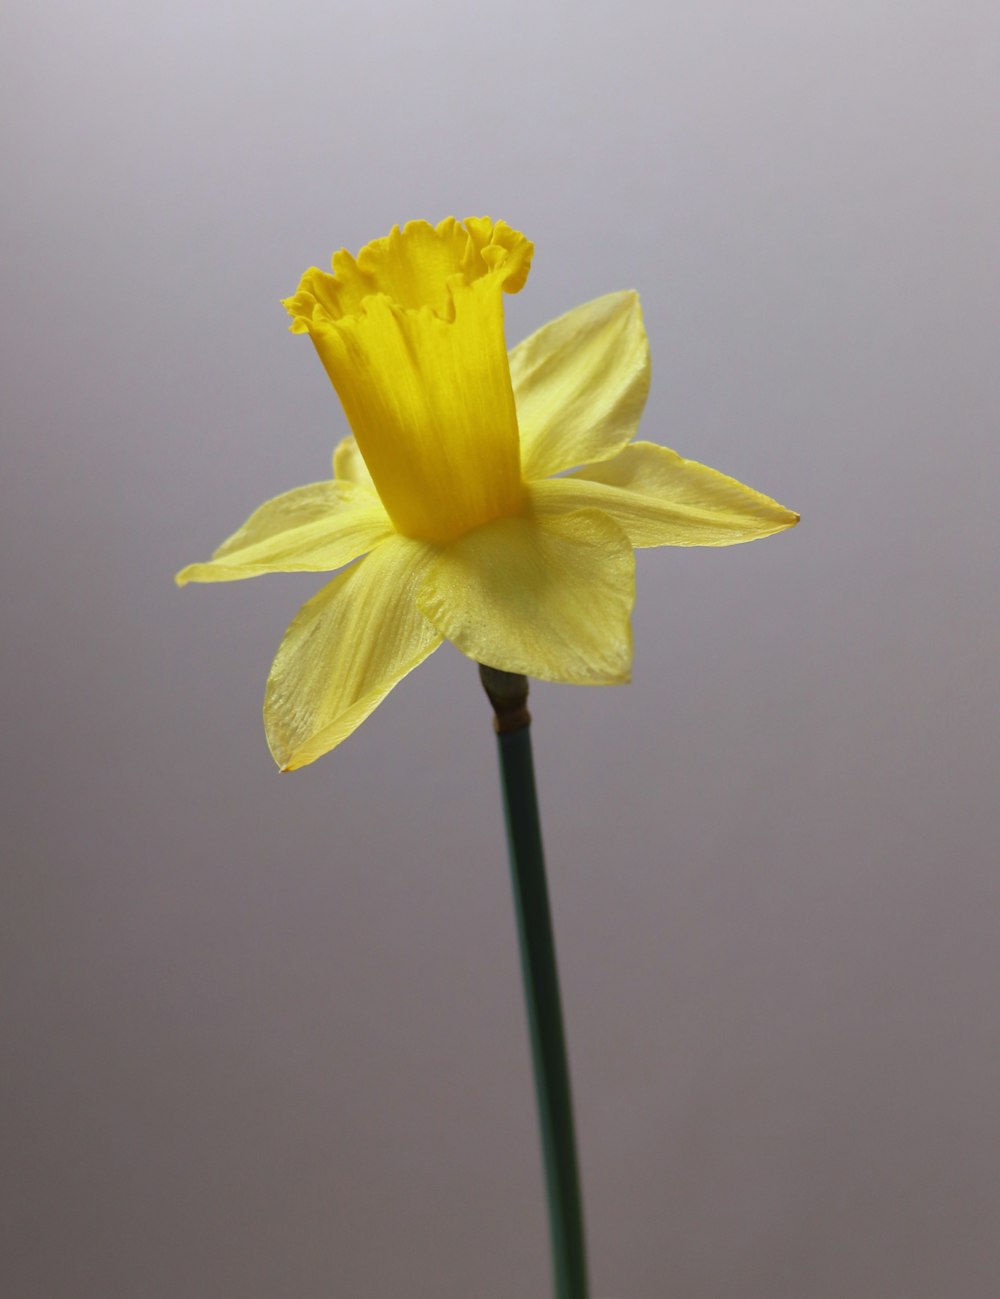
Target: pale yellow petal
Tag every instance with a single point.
(660, 499)
(549, 598)
(580, 385)
(310, 529)
(344, 652)
(349, 464)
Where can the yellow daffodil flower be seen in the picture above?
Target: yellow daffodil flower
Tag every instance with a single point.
(490, 499)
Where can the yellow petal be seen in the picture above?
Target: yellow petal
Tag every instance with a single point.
(310, 529)
(344, 652)
(349, 464)
(660, 499)
(549, 598)
(580, 384)
(411, 335)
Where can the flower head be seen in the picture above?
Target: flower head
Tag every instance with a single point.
(444, 493)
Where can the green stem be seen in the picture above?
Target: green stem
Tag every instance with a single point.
(508, 693)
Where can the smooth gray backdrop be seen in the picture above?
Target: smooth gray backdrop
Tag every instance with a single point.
(263, 1036)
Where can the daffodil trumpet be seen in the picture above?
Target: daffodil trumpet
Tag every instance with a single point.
(486, 498)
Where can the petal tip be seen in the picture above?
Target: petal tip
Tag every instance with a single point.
(789, 520)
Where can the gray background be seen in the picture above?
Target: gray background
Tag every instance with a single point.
(263, 1036)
